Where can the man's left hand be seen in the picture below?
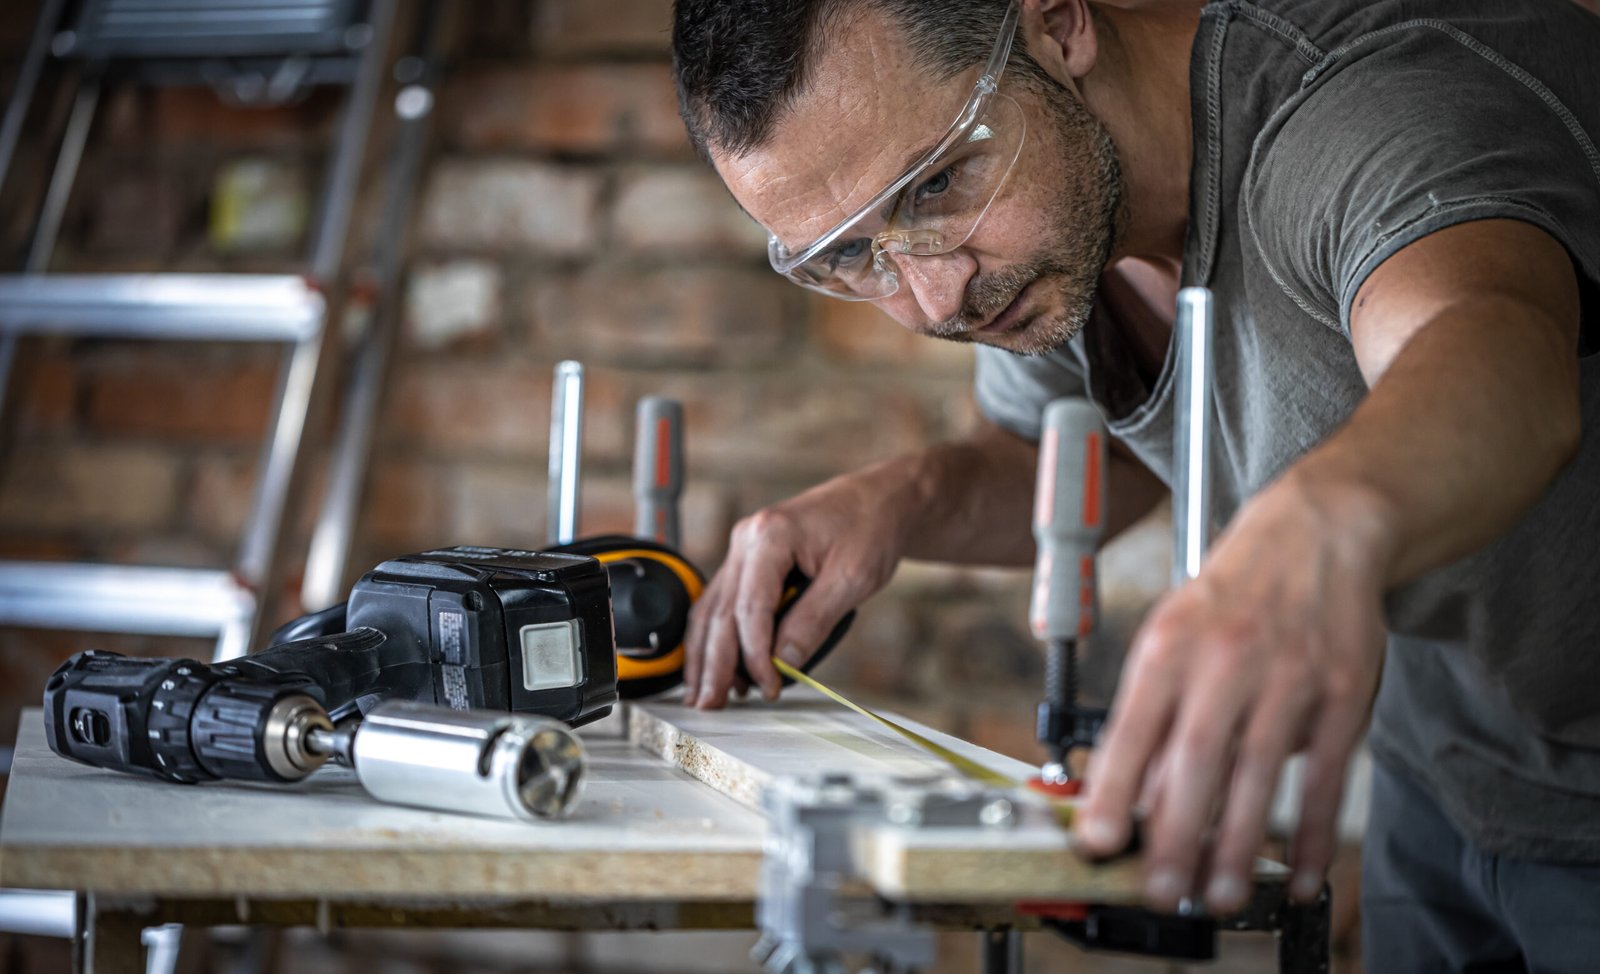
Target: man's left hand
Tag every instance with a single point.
(1276, 646)
(1467, 341)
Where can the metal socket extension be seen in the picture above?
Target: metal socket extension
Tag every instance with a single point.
(476, 762)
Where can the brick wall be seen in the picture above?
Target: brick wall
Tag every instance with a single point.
(562, 215)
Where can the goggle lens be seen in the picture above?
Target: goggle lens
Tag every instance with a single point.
(937, 212)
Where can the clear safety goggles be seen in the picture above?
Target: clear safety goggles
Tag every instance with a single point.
(931, 208)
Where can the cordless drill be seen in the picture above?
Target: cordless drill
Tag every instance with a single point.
(464, 628)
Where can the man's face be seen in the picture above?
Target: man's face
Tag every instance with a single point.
(1025, 280)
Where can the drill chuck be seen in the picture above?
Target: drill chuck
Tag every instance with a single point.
(256, 732)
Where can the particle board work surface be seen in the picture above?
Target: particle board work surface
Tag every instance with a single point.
(641, 831)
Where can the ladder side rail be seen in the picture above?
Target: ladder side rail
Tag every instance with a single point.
(328, 556)
(297, 376)
(355, 123)
(68, 159)
(48, 225)
(28, 75)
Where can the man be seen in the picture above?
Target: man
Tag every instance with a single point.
(1397, 205)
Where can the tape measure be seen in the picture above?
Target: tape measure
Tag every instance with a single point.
(982, 774)
(962, 763)
(652, 589)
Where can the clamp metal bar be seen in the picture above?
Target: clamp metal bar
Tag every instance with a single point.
(566, 451)
(1191, 435)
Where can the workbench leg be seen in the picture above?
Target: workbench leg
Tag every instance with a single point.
(80, 933)
(1002, 950)
(107, 941)
(1304, 942)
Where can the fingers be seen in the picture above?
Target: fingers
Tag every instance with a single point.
(1197, 753)
(814, 614)
(1262, 753)
(717, 669)
(1141, 715)
(697, 635)
(734, 617)
(694, 647)
(1316, 837)
(760, 588)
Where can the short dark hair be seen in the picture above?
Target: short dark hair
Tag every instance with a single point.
(739, 63)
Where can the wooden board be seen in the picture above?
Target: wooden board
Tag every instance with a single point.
(741, 750)
(641, 831)
(738, 750)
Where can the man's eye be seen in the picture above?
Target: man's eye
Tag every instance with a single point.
(936, 184)
(847, 253)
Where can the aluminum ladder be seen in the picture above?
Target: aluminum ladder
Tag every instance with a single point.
(257, 51)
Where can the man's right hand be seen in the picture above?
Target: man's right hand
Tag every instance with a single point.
(847, 535)
(966, 502)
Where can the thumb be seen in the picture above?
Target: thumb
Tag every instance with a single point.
(813, 617)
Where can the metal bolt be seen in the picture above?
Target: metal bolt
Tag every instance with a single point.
(996, 813)
(413, 102)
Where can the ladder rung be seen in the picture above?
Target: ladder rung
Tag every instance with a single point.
(198, 307)
(42, 913)
(119, 598)
(207, 28)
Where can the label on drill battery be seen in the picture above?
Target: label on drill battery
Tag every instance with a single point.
(452, 628)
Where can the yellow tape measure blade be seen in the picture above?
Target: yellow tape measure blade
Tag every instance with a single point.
(972, 769)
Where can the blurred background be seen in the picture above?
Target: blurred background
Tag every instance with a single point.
(558, 213)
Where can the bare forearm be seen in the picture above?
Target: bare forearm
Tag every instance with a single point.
(972, 499)
(1449, 457)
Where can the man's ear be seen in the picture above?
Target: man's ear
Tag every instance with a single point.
(1061, 37)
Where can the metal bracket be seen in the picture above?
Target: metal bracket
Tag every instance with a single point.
(814, 909)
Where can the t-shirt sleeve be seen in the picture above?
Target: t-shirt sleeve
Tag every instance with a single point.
(1427, 130)
(1012, 390)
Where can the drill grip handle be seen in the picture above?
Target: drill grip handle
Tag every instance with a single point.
(338, 668)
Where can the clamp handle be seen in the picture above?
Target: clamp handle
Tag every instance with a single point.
(658, 469)
(1069, 520)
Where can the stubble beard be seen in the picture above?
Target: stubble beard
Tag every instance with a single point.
(1086, 217)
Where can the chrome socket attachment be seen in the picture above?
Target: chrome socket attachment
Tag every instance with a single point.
(476, 762)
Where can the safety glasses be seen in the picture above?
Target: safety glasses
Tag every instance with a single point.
(931, 208)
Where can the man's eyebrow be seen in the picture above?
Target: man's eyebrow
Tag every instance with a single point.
(916, 156)
(912, 159)
(888, 207)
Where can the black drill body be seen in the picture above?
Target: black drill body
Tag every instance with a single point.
(460, 627)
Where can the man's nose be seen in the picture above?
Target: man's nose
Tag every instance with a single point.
(938, 282)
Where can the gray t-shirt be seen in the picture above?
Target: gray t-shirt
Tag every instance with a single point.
(1329, 134)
